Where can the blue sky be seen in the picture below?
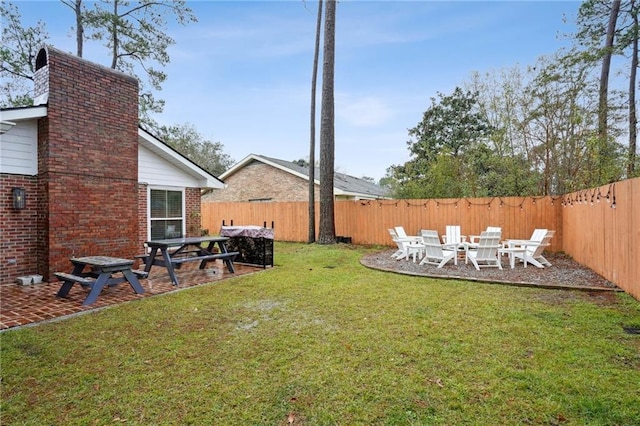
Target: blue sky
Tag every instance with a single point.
(242, 74)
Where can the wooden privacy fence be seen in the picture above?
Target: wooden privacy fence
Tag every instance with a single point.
(602, 238)
(605, 235)
(366, 222)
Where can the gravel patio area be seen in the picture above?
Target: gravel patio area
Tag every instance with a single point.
(565, 272)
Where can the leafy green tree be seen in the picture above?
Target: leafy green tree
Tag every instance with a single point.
(186, 140)
(451, 124)
(18, 51)
(450, 128)
(493, 175)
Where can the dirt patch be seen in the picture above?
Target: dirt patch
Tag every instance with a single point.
(565, 272)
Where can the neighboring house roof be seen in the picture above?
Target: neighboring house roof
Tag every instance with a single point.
(343, 184)
(145, 139)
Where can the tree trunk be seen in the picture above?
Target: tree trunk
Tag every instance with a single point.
(312, 139)
(79, 28)
(327, 135)
(114, 36)
(633, 119)
(604, 85)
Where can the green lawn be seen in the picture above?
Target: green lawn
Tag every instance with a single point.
(322, 340)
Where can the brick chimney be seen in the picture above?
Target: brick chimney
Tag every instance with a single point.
(88, 161)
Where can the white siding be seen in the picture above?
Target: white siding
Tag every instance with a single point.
(19, 149)
(156, 171)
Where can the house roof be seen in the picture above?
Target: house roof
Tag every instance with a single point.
(145, 139)
(343, 184)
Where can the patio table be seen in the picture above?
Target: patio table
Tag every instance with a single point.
(511, 251)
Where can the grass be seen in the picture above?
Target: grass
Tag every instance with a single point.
(322, 340)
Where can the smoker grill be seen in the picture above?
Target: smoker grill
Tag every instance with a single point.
(253, 243)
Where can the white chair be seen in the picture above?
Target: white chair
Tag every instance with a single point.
(435, 253)
(534, 247)
(452, 236)
(394, 237)
(407, 246)
(474, 238)
(453, 240)
(403, 235)
(486, 252)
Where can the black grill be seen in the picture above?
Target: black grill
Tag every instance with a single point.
(252, 251)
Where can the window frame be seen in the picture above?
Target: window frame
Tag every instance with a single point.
(183, 219)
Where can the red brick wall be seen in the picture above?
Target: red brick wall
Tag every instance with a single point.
(142, 216)
(42, 224)
(18, 242)
(192, 209)
(89, 161)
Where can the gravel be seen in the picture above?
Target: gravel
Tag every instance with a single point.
(564, 272)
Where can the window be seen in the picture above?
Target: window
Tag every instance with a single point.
(166, 214)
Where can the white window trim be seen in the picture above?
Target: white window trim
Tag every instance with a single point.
(184, 208)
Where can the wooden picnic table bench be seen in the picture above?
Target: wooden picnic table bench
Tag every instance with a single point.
(189, 249)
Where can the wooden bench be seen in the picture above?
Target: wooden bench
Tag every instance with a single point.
(85, 281)
(140, 273)
(181, 255)
(180, 260)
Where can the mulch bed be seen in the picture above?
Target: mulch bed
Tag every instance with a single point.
(565, 272)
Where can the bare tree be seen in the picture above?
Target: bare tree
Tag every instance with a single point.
(327, 129)
(633, 118)
(76, 6)
(606, 28)
(312, 137)
(603, 106)
(137, 38)
(18, 51)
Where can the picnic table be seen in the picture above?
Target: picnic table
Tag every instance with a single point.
(188, 249)
(97, 272)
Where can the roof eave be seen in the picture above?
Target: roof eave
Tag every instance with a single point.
(253, 157)
(23, 113)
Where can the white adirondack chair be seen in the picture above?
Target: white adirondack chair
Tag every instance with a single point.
(486, 252)
(474, 238)
(403, 235)
(394, 237)
(407, 246)
(435, 253)
(533, 252)
(453, 236)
